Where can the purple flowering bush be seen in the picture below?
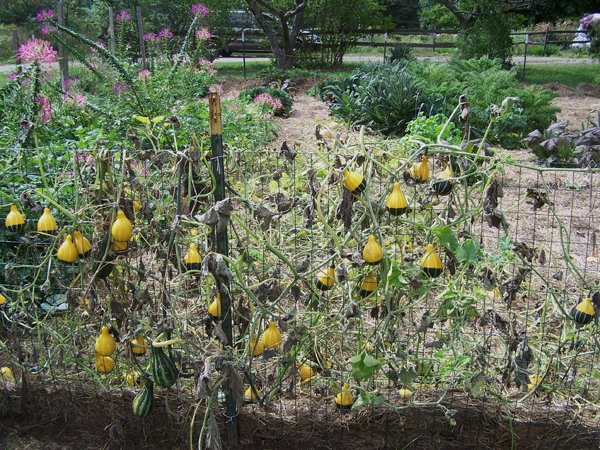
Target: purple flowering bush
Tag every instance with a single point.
(591, 25)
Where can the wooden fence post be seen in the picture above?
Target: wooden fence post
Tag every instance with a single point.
(140, 27)
(15, 45)
(63, 57)
(111, 28)
(222, 244)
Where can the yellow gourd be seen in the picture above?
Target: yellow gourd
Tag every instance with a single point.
(137, 206)
(354, 182)
(256, 347)
(372, 253)
(2, 300)
(104, 364)
(214, 309)
(139, 346)
(326, 278)
(305, 371)
(405, 393)
(67, 252)
(105, 343)
(6, 374)
(272, 336)
(396, 202)
(192, 258)
(442, 185)
(122, 229)
(534, 380)
(584, 312)
(46, 223)
(249, 396)
(132, 378)
(82, 244)
(420, 171)
(119, 246)
(368, 285)
(344, 400)
(15, 221)
(431, 263)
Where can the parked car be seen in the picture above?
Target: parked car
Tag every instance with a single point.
(243, 21)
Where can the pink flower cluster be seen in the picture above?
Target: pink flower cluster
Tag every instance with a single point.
(76, 100)
(218, 88)
(144, 74)
(120, 88)
(36, 50)
(200, 8)
(43, 15)
(165, 34)
(207, 65)
(99, 44)
(47, 29)
(150, 36)
(44, 109)
(203, 34)
(123, 16)
(267, 99)
(589, 21)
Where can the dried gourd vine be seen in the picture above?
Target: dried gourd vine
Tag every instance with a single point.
(362, 272)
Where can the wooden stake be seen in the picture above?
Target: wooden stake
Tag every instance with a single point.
(63, 58)
(111, 28)
(138, 13)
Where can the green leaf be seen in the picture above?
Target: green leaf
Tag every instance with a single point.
(468, 253)
(368, 398)
(407, 376)
(396, 276)
(447, 237)
(476, 384)
(363, 366)
(506, 244)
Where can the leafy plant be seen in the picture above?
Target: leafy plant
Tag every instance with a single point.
(363, 366)
(431, 127)
(279, 94)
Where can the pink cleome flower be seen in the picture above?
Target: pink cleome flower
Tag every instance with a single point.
(200, 8)
(47, 29)
(43, 15)
(123, 16)
(45, 109)
(267, 99)
(13, 76)
(36, 50)
(166, 34)
(218, 88)
(120, 88)
(144, 74)
(207, 65)
(150, 36)
(203, 34)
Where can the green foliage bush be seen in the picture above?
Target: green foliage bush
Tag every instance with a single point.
(431, 127)
(489, 36)
(387, 97)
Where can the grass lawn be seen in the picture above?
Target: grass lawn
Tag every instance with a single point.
(569, 74)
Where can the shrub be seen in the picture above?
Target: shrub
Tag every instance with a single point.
(387, 97)
(489, 36)
(279, 94)
(430, 128)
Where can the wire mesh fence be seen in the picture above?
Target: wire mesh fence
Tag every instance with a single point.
(372, 353)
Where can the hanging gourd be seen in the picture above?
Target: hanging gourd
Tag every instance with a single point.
(119, 247)
(584, 312)
(304, 371)
(139, 346)
(122, 229)
(344, 400)
(420, 171)
(132, 378)
(15, 221)
(396, 203)
(405, 393)
(214, 309)
(2, 300)
(431, 263)
(249, 396)
(326, 278)
(442, 185)
(143, 402)
(82, 244)
(272, 336)
(46, 223)
(105, 343)
(368, 285)
(6, 374)
(256, 346)
(104, 364)
(354, 182)
(67, 252)
(192, 258)
(372, 253)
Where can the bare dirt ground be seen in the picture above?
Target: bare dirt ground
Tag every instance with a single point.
(580, 105)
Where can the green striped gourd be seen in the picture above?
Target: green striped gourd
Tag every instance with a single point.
(163, 369)
(144, 400)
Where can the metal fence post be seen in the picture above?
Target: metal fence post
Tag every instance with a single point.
(384, 45)
(222, 244)
(111, 28)
(525, 54)
(15, 44)
(63, 58)
(140, 27)
(244, 51)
